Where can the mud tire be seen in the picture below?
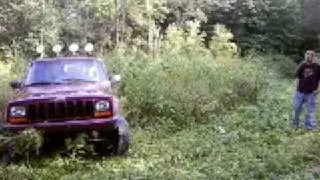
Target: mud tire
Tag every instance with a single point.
(123, 142)
(117, 142)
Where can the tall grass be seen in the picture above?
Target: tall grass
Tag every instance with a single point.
(185, 89)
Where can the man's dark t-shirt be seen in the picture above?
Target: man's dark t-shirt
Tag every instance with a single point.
(309, 76)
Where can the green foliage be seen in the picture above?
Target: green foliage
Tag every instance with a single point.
(78, 146)
(8, 71)
(282, 64)
(23, 144)
(263, 25)
(221, 44)
(184, 41)
(254, 142)
(185, 83)
(197, 112)
(244, 110)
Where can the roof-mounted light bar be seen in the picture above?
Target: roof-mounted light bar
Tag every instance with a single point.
(73, 48)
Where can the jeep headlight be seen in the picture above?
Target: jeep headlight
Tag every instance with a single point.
(102, 106)
(17, 111)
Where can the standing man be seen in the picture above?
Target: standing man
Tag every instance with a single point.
(308, 74)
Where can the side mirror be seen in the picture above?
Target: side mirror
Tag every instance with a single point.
(15, 84)
(115, 79)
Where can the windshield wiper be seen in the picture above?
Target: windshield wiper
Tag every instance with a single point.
(43, 83)
(76, 80)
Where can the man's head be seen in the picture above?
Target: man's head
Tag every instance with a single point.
(310, 56)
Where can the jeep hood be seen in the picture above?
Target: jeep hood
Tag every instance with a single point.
(64, 90)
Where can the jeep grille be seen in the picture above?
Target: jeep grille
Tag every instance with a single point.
(59, 111)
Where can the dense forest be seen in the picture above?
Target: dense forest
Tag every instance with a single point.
(207, 85)
(287, 26)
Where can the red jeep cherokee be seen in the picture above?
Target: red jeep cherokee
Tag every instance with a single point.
(64, 95)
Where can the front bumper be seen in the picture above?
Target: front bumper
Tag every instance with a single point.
(72, 125)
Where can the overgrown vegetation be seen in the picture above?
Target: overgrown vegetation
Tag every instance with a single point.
(9, 70)
(196, 115)
(186, 83)
(22, 145)
(253, 142)
(207, 87)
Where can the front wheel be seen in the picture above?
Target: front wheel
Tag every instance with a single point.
(123, 143)
(115, 142)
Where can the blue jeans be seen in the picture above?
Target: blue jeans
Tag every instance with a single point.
(310, 100)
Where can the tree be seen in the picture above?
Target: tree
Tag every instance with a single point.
(263, 25)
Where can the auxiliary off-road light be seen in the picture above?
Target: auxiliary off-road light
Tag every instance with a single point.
(89, 47)
(74, 47)
(40, 49)
(57, 48)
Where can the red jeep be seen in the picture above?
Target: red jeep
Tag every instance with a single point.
(66, 95)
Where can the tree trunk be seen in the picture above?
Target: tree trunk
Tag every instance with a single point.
(149, 25)
(123, 24)
(117, 22)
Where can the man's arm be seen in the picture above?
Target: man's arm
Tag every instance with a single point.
(318, 89)
(299, 70)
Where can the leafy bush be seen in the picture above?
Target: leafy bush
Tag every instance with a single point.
(221, 44)
(9, 70)
(78, 146)
(21, 145)
(282, 64)
(5, 71)
(185, 83)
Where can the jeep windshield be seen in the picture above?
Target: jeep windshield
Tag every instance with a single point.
(65, 71)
